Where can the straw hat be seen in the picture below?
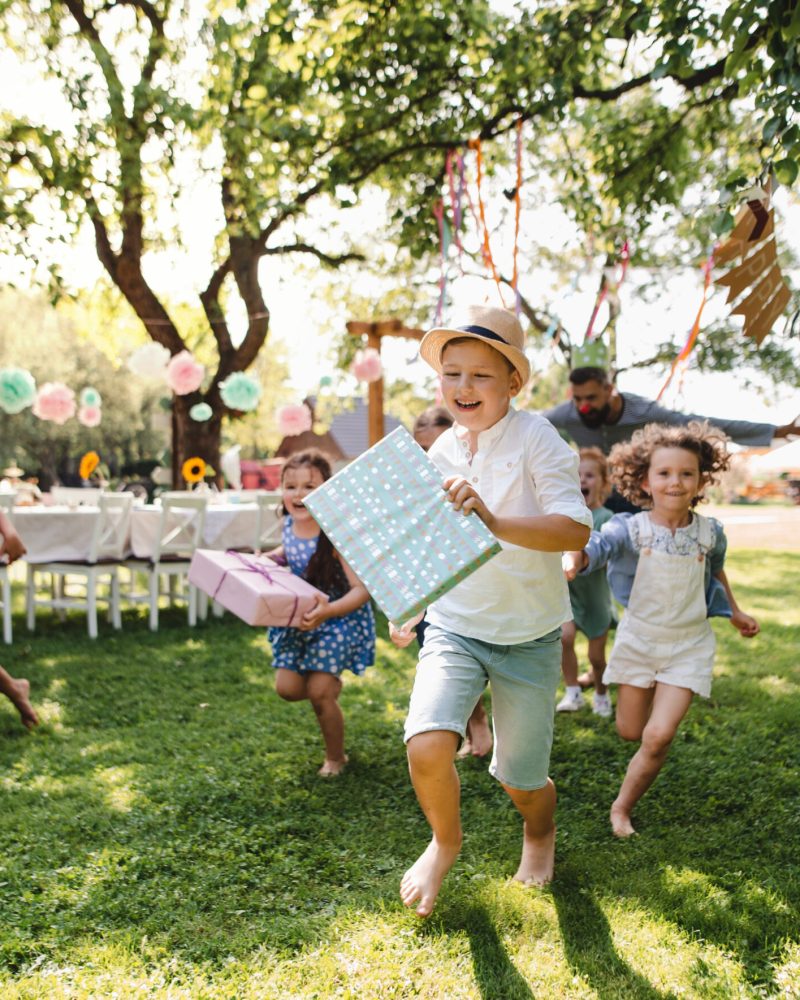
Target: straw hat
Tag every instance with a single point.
(13, 472)
(498, 328)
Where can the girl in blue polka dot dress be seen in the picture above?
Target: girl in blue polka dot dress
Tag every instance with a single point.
(339, 633)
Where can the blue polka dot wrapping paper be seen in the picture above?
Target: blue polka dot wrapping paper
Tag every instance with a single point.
(387, 515)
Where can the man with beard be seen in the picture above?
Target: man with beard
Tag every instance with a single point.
(600, 415)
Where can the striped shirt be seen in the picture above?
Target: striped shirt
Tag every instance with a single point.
(638, 411)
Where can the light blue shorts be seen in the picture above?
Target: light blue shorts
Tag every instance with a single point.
(451, 675)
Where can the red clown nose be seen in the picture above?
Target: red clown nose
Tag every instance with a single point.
(584, 408)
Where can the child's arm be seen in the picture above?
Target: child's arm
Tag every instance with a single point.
(326, 608)
(11, 545)
(573, 562)
(746, 624)
(404, 635)
(547, 532)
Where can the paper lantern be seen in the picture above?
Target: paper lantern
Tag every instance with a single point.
(90, 416)
(201, 412)
(90, 397)
(294, 419)
(17, 389)
(149, 361)
(240, 391)
(367, 365)
(55, 402)
(184, 374)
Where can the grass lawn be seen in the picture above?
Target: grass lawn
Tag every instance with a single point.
(164, 834)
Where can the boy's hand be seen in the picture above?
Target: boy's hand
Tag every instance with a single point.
(747, 626)
(317, 615)
(463, 497)
(403, 636)
(12, 547)
(572, 563)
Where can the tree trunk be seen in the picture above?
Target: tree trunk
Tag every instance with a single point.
(194, 439)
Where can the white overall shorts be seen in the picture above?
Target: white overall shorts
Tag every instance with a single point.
(665, 636)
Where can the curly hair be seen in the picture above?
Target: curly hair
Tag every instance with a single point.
(630, 460)
(324, 570)
(595, 455)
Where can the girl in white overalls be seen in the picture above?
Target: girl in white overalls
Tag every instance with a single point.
(663, 653)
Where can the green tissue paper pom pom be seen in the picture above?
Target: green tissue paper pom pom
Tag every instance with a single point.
(90, 397)
(240, 392)
(201, 412)
(17, 389)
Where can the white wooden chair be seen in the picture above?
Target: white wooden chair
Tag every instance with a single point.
(76, 496)
(269, 523)
(7, 507)
(267, 535)
(180, 533)
(106, 553)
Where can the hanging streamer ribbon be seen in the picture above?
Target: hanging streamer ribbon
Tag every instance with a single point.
(681, 361)
(455, 202)
(444, 247)
(486, 246)
(602, 295)
(517, 213)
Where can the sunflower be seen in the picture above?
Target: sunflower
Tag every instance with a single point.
(89, 463)
(193, 470)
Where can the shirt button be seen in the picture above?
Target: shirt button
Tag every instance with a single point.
(509, 465)
(474, 479)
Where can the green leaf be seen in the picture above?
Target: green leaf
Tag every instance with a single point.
(772, 127)
(786, 171)
(722, 224)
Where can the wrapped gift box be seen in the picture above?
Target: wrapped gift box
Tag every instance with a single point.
(255, 588)
(387, 515)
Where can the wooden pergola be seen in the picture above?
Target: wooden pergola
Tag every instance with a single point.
(375, 332)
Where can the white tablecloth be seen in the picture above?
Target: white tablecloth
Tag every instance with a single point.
(60, 533)
(227, 526)
(51, 534)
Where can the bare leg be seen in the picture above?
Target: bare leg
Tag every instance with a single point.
(17, 690)
(537, 809)
(323, 693)
(435, 779)
(667, 706)
(597, 658)
(569, 659)
(479, 734)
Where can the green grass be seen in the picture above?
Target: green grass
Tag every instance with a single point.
(163, 833)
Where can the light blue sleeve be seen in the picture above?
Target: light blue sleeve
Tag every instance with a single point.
(716, 556)
(611, 543)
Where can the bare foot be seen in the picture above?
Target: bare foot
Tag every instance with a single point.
(586, 680)
(333, 768)
(465, 750)
(538, 859)
(21, 689)
(424, 878)
(621, 825)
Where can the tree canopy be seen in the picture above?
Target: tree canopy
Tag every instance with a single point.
(270, 117)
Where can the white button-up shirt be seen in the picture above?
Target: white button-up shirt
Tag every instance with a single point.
(522, 468)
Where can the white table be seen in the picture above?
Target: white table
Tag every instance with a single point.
(53, 534)
(227, 526)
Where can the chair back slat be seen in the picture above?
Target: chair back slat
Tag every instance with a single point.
(181, 527)
(269, 521)
(7, 504)
(113, 528)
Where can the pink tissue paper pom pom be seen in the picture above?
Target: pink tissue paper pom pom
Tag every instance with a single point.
(55, 401)
(294, 419)
(184, 374)
(367, 365)
(90, 416)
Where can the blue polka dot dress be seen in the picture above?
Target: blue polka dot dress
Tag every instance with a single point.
(346, 643)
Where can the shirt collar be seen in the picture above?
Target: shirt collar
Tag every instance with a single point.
(485, 438)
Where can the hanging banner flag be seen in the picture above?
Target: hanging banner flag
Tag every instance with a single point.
(682, 359)
(752, 242)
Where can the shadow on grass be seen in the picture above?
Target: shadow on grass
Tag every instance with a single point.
(588, 944)
(495, 973)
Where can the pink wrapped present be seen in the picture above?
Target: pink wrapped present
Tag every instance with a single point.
(255, 588)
